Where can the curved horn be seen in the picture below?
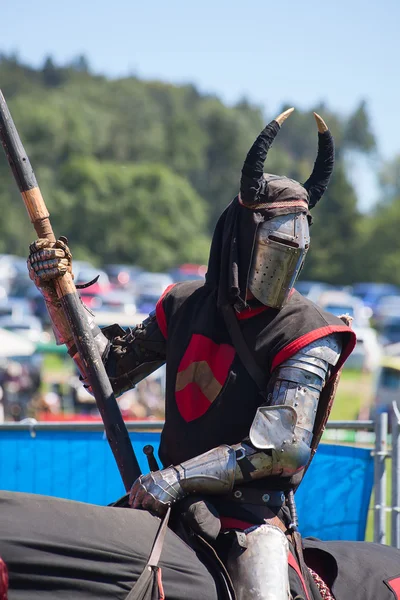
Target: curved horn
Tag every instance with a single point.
(252, 182)
(283, 116)
(318, 181)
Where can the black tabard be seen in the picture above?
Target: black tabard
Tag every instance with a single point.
(210, 397)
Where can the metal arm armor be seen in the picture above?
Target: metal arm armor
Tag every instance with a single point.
(134, 354)
(281, 433)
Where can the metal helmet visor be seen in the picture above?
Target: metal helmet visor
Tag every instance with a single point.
(279, 252)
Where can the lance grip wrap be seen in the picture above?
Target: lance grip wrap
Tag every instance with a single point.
(117, 434)
(23, 174)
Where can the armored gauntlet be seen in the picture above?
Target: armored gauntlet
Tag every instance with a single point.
(46, 263)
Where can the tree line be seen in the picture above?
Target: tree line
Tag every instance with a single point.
(138, 172)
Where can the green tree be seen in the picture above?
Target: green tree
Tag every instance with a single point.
(334, 233)
(390, 178)
(143, 214)
(102, 147)
(357, 131)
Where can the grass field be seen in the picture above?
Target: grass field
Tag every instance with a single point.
(354, 394)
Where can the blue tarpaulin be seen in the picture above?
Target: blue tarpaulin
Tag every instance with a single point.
(332, 500)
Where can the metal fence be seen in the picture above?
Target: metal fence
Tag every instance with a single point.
(373, 433)
(385, 446)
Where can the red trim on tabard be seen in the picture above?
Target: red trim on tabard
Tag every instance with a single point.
(303, 340)
(160, 585)
(231, 523)
(293, 563)
(394, 585)
(247, 313)
(160, 312)
(3, 580)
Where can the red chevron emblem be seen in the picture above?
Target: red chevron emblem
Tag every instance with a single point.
(201, 375)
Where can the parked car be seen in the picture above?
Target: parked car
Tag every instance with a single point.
(388, 306)
(188, 272)
(150, 286)
(312, 289)
(389, 330)
(367, 353)
(372, 293)
(9, 264)
(123, 276)
(16, 308)
(153, 283)
(117, 300)
(340, 303)
(85, 274)
(387, 386)
(28, 326)
(23, 289)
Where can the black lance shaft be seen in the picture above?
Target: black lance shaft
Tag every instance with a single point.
(116, 431)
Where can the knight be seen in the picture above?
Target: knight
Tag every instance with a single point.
(251, 369)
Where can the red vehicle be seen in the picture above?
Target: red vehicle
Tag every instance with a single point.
(188, 272)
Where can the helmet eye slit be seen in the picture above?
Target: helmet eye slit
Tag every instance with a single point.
(274, 238)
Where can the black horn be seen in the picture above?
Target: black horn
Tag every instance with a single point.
(318, 181)
(252, 181)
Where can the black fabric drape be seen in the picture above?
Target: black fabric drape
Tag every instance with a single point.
(58, 550)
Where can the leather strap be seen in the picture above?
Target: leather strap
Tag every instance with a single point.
(146, 579)
(258, 497)
(273, 519)
(244, 353)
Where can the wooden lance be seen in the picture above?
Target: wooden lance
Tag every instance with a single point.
(115, 428)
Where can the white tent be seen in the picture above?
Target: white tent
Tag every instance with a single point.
(13, 345)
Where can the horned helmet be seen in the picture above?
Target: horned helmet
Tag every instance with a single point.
(283, 238)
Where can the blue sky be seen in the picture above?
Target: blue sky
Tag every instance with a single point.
(271, 52)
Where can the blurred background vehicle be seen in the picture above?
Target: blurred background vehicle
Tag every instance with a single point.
(386, 308)
(123, 276)
(188, 272)
(372, 293)
(341, 303)
(149, 287)
(367, 353)
(312, 289)
(117, 300)
(386, 386)
(389, 330)
(10, 266)
(20, 374)
(85, 273)
(29, 327)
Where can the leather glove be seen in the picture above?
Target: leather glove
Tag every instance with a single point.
(156, 491)
(201, 516)
(47, 261)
